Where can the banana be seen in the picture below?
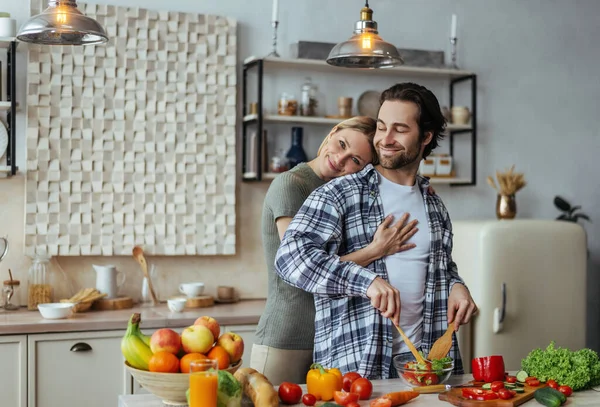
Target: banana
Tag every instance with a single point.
(135, 345)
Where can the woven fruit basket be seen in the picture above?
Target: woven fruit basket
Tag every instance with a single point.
(84, 299)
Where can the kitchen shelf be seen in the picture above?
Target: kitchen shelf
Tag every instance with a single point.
(9, 107)
(453, 76)
(6, 42)
(4, 106)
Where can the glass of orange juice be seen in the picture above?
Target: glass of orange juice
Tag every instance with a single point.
(204, 380)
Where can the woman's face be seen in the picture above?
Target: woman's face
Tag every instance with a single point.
(346, 152)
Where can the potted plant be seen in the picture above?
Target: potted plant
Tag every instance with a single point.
(569, 213)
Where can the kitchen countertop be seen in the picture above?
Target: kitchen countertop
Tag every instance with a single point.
(245, 312)
(587, 398)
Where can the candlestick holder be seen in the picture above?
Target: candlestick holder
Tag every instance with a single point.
(274, 53)
(453, 41)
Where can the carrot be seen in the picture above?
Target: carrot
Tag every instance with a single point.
(400, 397)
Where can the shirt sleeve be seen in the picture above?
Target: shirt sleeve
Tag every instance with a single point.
(307, 257)
(285, 195)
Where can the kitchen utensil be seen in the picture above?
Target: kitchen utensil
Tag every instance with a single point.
(138, 254)
(10, 287)
(176, 304)
(410, 345)
(454, 396)
(146, 298)
(107, 304)
(439, 388)
(442, 346)
(55, 310)
(107, 280)
(368, 103)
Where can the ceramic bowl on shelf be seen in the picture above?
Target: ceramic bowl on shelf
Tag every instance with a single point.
(421, 377)
(56, 310)
(169, 387)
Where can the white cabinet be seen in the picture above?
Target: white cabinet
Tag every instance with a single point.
(76, 369)
(13, 372)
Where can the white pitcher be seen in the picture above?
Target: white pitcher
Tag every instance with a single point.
(106, 280)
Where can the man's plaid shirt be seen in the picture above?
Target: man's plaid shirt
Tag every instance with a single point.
(341, 217)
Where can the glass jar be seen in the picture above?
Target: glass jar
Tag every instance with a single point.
(308, 98)
(10, 291)
(279, 163)
(39, 290)
(287, 105)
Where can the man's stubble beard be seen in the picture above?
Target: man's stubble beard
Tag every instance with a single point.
(403, 158)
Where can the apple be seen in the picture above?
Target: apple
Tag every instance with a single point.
(233, 344)
(165, 340)
(197, 339)
(211, 324)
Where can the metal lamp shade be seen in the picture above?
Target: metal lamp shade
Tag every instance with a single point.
(365, 50)
(62, 24)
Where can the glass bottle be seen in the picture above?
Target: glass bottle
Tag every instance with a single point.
(296, 154)
(308, 98)
(10, 290)
(39, 290)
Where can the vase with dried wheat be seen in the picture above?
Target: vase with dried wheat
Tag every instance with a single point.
(509, 182)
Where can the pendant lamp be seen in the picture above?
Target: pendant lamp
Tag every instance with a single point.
(365, 49)
(62, 24)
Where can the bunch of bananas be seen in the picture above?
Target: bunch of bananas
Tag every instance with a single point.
(135, 346)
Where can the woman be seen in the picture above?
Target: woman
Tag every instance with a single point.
(283, 350)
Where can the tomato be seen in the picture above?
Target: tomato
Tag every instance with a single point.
(533, 382)
(348, 378)
(530, 378)
(430, 378)
(505, 394)
(511, 379)
(495, 386)
(290, 393)
(309, 400)
(353, 404)
(363, 387)
(487, 396)
(475, 393)
(410, 378)
(552, 383)
(566, 390)
(342, 398)
(381, 402)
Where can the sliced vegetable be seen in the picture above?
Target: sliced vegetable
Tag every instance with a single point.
(521, 376)
(496, 386)
(381, 402)
(552, 383)
(400, 397)
(344, 398)
(566, 390)
(511, 379)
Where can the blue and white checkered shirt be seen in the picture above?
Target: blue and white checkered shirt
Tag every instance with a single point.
(341, 217)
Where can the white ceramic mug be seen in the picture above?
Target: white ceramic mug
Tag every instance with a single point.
(191, 289)
(107, 280)
(176, 304)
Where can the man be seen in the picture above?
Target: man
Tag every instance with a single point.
(356, 307)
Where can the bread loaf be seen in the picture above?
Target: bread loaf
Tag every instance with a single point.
(257, 387)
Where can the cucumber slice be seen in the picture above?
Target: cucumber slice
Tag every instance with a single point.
(518, 384)
(519, 390)
(510, 386)
(487, 386)
(522, 375)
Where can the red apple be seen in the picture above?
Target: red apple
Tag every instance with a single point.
(211, 324)
(165, 340)
(233, 344)
(197, 338)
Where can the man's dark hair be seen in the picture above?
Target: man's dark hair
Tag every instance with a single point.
(430, 117)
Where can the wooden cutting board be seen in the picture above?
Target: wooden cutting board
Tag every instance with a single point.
(454, 396)
(105, 304)
(200, 302)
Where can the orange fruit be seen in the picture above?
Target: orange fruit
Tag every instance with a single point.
(221, 355)
(184, 363)
(163, 362)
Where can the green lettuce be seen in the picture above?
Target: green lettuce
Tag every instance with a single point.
(578, 369)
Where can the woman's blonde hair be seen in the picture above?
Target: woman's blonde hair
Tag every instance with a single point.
(364, 124)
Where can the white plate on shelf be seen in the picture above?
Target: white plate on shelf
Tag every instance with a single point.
(368, 103)
(3, 139)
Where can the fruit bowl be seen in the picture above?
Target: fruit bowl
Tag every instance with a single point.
(415, 375)
(169, 387)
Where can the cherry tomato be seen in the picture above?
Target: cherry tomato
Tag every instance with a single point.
(290, 393)
(381, 402)
(552, 383)
(430, 378)
(348, 378)
(363, 387)
(566, 390)
(496, 386)
(309, 400)
(353, 404)
(511, 379)
(504, 394)
(530, 378)
(343, 399)
(533, 382)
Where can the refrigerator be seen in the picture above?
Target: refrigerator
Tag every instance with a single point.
(528, 279)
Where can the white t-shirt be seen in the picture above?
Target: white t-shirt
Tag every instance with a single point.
(407, 270)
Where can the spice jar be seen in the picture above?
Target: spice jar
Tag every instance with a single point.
(10, 290)
(308, 99)
(40, 290)
(287, 105)
(279, 163)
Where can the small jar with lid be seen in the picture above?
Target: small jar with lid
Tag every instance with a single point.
(10, 292)
(308, 99)
(287, 105)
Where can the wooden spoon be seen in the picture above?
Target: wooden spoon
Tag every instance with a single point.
(410, 345)
(442, 346)
(138, 254)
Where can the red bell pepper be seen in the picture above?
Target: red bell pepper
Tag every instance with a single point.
(488, 369)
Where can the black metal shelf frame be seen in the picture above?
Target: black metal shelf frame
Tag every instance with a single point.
(259, 64)
(11, 114)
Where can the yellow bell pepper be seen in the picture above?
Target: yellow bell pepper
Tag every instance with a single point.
(321, 382)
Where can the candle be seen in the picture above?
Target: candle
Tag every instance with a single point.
(275, 10)
(453, 27)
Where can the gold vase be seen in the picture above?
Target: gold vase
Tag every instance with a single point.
(506, 207)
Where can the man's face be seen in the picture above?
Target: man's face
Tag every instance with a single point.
(397, 136)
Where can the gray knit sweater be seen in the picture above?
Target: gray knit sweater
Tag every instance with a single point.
(288, 321)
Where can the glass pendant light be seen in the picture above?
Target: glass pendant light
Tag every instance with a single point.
(365, 49)
(62, 24)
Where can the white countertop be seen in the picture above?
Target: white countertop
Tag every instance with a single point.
(589, 398)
